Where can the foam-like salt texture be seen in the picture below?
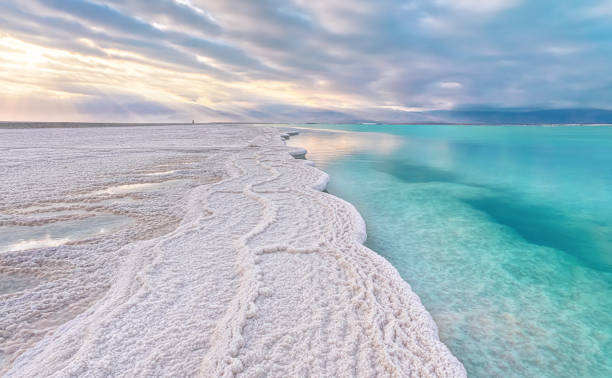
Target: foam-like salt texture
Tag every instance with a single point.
(262, 275)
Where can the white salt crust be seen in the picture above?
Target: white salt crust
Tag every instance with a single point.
(264, 275)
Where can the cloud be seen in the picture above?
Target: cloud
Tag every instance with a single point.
(562, 50)
(601, 10)
(449, 84)
(276, 59)
(175, 13)
(479, 6)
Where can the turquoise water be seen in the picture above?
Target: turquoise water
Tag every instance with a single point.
(505, 232)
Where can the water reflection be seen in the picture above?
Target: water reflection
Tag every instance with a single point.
(18, 238)
(334, 145)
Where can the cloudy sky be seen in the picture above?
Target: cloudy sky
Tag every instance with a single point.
(300, 60)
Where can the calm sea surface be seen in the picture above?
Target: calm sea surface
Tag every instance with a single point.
(505, 232)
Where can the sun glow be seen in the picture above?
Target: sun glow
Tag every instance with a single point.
(31, 74)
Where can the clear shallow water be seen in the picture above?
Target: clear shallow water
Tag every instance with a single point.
(504, 232)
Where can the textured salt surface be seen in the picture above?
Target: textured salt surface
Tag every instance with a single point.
(234, 262)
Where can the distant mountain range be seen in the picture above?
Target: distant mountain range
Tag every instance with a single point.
(476, 116)
(572, 116)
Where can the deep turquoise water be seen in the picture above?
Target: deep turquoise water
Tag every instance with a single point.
(505, 232)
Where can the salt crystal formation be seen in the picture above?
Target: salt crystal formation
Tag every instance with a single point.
(193, 251)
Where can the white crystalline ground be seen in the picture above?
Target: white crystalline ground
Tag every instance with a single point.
(235, 263)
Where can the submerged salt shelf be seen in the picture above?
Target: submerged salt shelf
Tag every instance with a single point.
(224, 258)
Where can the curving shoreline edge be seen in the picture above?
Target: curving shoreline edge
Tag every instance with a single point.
(360, 234)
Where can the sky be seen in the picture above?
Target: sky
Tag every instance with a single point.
(299, 60)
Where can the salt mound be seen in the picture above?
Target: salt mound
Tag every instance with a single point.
(264, 275)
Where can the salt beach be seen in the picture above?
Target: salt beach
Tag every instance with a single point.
(241, 266)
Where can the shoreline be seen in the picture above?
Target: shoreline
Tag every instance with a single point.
(360, 236)
(264, 273)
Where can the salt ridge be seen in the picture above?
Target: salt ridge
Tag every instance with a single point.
(265, 275)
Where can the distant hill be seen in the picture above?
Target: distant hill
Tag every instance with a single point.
(573, 116)
(476, 116)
